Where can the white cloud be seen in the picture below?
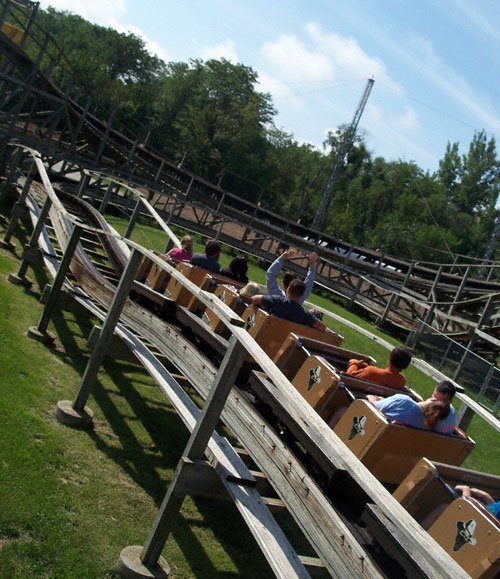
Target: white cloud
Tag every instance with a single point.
(396, 134)
(484, 15)
(332, 66)
(152, 46)
(295, 61)
(278, 88)
(346, 55)
(408, 121)
(225, 50)
(428, 63)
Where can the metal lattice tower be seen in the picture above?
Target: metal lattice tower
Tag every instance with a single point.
(346, 146)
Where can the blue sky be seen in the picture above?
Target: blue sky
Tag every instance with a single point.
(435, 63)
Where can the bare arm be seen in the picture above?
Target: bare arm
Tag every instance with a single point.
(255, 300)
(311, 274)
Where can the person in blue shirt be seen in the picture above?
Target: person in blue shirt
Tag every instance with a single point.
(445, 391)
(275, 268)
(400, 407)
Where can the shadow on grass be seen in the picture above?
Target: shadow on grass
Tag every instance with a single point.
(169, 437)
(136, 399)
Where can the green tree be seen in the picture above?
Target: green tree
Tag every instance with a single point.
(213, 112)
(114, 70)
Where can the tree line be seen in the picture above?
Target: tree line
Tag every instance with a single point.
(210, 117)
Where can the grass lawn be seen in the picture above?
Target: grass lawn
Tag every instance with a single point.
(71, 500)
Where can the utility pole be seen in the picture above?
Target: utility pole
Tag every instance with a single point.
(346, 146)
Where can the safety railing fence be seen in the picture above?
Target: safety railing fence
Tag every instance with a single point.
(476, 371)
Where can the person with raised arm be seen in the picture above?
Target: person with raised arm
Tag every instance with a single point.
(274, 270)
(289, 307)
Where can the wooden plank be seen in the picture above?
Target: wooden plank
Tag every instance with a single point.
(190, 320)
(392, 541)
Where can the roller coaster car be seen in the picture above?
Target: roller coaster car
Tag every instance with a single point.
(144, 269)
(229, 295)
(391, 449)
(270, 331)
(470, 534)
(210, 283)
(297, 348)
(360, 389)
(156, 276)
(320, 386)
(429, 488)
(177, 292)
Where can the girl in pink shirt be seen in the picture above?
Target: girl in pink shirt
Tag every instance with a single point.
(184, 252)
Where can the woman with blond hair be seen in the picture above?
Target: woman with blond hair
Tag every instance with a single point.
(249, 290)
(184, 252)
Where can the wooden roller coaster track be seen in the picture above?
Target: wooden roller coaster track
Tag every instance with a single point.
(159, 332)
(328, 517)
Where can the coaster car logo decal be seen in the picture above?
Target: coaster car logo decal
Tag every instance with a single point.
(358, 424)
(465, 530)
(314, 377)
(251, 321)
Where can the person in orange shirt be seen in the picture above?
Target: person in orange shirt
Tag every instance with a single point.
(391, 376)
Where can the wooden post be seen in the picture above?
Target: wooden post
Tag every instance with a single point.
(420, 332)
(17, 211)
(496, 406)
(486, 382)
(484, 318)
(219, 230)
(76, 414)
(133, 219)
(14, 164)
(383, 317)
(31, 247)
(460, 290)
(171, 214)
(105, 136)
(195, 449)
(40, 332)
(355, 293)
(435, 283)
(79, 127)
(160, 169)
(84, 183)
(464, 417)
(106, 198)
(445, 355)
